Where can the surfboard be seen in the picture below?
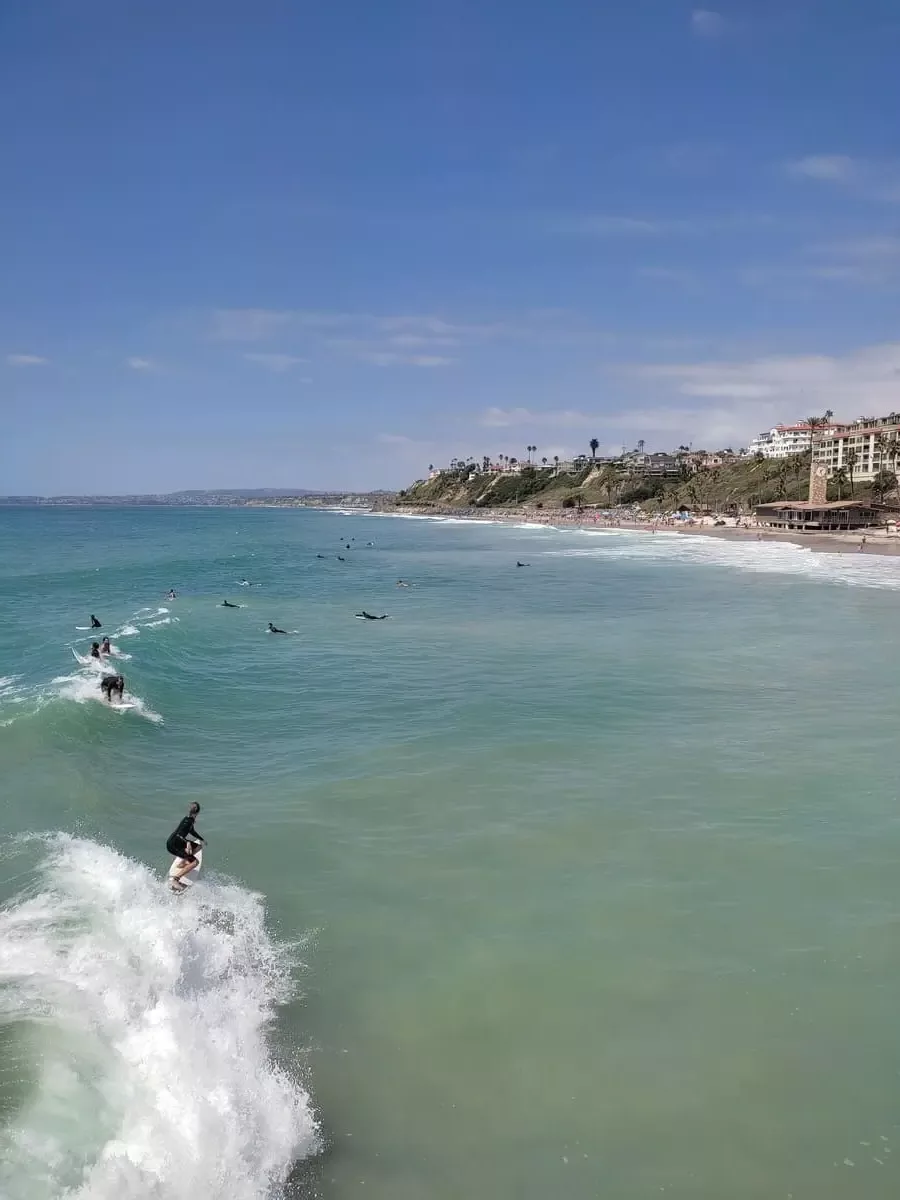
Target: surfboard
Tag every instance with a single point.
(124, 706)
(188, 879)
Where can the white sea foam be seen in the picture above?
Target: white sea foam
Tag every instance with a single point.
(128, 630)
(83, 687)
(143, 1020)
(781, 558)
(8, 684)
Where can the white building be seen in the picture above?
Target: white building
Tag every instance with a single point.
(783, 441)
(862, 449)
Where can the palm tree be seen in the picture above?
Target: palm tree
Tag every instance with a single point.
(594, 444)
(556, 462)
(815, 423)
(839, 479)
(543, 462)
(641, 445)
(851, 458)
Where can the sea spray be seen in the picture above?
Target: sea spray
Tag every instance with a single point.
(151, 1075)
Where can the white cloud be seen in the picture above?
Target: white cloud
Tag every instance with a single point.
(277, 363)
(510, 418)
(26, 360)
(835, 167)
(707, 24)
(418, 339)
(248, 324)
(884, 246)
(870, 179)
(601, 225)
(139, 364)
(389, 358)
(785, 387)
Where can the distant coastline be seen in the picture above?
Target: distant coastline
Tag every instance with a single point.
(236, 498)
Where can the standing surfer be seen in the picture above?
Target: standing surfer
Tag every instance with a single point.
(182, 843)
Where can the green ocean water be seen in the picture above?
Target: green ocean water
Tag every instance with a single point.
(573, 880)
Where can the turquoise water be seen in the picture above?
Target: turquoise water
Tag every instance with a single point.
(569, 881)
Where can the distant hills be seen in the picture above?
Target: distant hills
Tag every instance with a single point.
(206, 496)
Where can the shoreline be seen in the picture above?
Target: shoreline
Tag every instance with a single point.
(877, 541)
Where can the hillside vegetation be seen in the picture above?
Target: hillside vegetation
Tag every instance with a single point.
(733, 487)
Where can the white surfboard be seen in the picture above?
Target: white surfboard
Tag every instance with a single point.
(188, 879)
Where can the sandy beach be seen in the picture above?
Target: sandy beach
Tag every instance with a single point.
(870, 541)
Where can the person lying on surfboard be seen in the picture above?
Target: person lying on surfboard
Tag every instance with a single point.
(182, 843)
(228, 604)
(275, 629)
(110, 684)
(95, 649)
(105, 647)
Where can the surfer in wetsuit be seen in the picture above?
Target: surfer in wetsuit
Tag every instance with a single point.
(95, 624)
(228, 604)
(105, 647)
(367, 616)
(182, 843)
(95, 649)
(171, 595)
(110, 684)
(275, 629)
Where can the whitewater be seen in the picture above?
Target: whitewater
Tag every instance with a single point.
(144, 1065)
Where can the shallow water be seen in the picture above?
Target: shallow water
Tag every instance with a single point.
(572, 880)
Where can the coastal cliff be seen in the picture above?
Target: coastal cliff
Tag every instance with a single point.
(737, 486)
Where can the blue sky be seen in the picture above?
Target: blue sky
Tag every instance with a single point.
(283, 244)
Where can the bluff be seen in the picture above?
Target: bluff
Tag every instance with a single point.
(732, 487)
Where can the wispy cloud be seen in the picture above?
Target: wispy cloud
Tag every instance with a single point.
(705, 23)
(671, 276)
(248, 324)
(865, 380)
(510, 418)
(605, 226)
(390, 358)
(837, 167)
(139, 364)
(277, 363)
(26, 360)
(602, 225)
(870, 179)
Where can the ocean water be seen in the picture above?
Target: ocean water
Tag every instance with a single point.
(573, 880)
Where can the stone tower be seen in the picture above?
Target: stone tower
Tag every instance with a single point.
(818, 483)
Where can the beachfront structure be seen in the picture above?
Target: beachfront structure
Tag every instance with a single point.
(816, 516)
(868, 449)
(783, 441)
(657, 465)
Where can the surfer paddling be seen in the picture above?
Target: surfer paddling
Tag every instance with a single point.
(228, 604)
(367, 616)
(95, 649)
(275, 629)
(181, 844)
(105, 647)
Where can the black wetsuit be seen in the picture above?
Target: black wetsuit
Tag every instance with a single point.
(178, 844)
(95, 624)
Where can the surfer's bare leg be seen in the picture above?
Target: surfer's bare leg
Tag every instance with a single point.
(186, 866)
